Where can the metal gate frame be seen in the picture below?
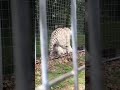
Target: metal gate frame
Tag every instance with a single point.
(44, 49)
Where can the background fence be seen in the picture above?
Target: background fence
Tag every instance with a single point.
(17, 40)
(58, 15)
(110, 25)
(6, 30)
(19, 19)
(102, 44)
(54, 14)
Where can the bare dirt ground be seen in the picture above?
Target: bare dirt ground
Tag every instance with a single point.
(111, 75)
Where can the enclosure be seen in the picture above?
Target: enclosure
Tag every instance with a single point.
(95, 42)
(101, 28)
(58, 15)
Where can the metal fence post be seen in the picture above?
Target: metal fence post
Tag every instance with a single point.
(35, 41)
(74, 41)
(23, 44)
(95, 45)
(1, 78)
(44, 43)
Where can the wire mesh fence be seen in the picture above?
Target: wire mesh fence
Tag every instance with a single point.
(1, 76)
(109, 44)
(110, 25)
(6, 35)
(58, 15)
(7, 41)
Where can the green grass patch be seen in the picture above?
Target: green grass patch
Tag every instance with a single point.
(68, 84)
(58, 68)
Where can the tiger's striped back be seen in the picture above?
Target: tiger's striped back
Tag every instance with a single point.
(60, 37)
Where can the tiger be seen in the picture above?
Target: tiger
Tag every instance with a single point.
(60, 41)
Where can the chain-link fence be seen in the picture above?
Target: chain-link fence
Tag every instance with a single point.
(110, 34)
(102, 44)
(50, 15)
(110, 25)
(9, 19)
(7, 68)
(58, 15)
(6, 34)
(6, 30)
(19, 19)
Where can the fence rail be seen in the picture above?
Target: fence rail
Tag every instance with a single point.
(62, 78)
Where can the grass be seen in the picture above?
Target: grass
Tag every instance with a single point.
(56, 69)
(68, 84)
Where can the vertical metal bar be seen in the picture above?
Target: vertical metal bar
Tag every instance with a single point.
(23, 46)
(35, 39)
(95, 45)
(44, 43)
(74, 41)
(35, 47)
(1, 78)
